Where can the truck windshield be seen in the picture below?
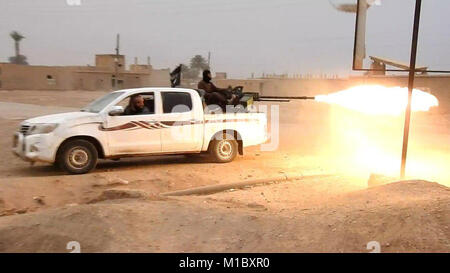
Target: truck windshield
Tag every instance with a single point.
(100, 103)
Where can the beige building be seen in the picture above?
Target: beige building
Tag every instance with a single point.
(221, 75)
(105, 75)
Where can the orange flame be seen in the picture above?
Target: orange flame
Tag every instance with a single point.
(380, 100)
(371, 142)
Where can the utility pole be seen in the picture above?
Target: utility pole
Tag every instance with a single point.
(360, 43)
(209, 59)
(359, 48)
(116, 61)
(412, 74)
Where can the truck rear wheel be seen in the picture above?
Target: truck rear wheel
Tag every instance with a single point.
(223, 150)
(77, 156)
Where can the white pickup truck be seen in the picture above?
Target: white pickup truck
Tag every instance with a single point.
(176, 123)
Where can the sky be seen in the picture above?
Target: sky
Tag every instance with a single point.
(243, 36)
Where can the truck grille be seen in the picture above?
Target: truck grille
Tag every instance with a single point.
(24, 129)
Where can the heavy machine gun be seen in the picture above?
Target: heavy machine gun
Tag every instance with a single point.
(247, 98)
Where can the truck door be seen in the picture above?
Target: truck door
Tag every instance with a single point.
(134, 134)
(183, 123)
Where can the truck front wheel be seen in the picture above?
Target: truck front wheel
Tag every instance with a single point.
(223, 150)
(77, 156)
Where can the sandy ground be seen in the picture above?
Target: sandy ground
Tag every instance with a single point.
(328, 208)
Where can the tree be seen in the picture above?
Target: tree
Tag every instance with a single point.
(18, 59)
(186, 72)
(198, 64)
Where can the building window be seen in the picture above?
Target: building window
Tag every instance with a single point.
(51, 80)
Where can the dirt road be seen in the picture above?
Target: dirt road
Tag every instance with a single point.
(118, 207)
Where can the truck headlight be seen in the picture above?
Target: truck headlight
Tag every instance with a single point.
(42, 128)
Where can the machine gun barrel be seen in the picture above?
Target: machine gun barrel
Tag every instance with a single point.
(282, 98)
(249, 97)
(286, 98)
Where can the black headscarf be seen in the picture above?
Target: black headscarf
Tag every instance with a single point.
(206, 77)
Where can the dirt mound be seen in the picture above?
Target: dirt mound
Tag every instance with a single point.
(270, 218)
(412, 187)
(52, 230)
(317, 217)
(399, 192)
(122, 225)
(394, 215)
(113, 194)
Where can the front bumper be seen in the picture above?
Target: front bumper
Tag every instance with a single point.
(39, 147)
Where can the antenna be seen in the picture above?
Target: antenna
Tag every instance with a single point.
(116, 61)
(117, 43)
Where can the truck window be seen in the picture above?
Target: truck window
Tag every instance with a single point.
(100, 103)
(176, 102)
(149, 102)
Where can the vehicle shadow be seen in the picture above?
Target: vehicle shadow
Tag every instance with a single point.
(107, 165)
(34, 171)
(126, 163)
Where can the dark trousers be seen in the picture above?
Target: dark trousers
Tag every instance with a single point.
(216, 98)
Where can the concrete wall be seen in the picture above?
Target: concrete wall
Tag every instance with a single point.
(140, 68)
(134, 80)
(287, 87)
(92, 81)
(159, 78)
(221, 75)
(24, 77)
(27, 77)
(107, 62)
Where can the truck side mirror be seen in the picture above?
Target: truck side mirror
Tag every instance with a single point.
(116, 110)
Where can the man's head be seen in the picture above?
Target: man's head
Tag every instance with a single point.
(137, 102)
(207, 75)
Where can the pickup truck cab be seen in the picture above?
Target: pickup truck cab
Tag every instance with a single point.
(176, 123)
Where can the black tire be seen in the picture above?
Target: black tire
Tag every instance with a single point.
(223, 150)
(77, 156)
(55, 165)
